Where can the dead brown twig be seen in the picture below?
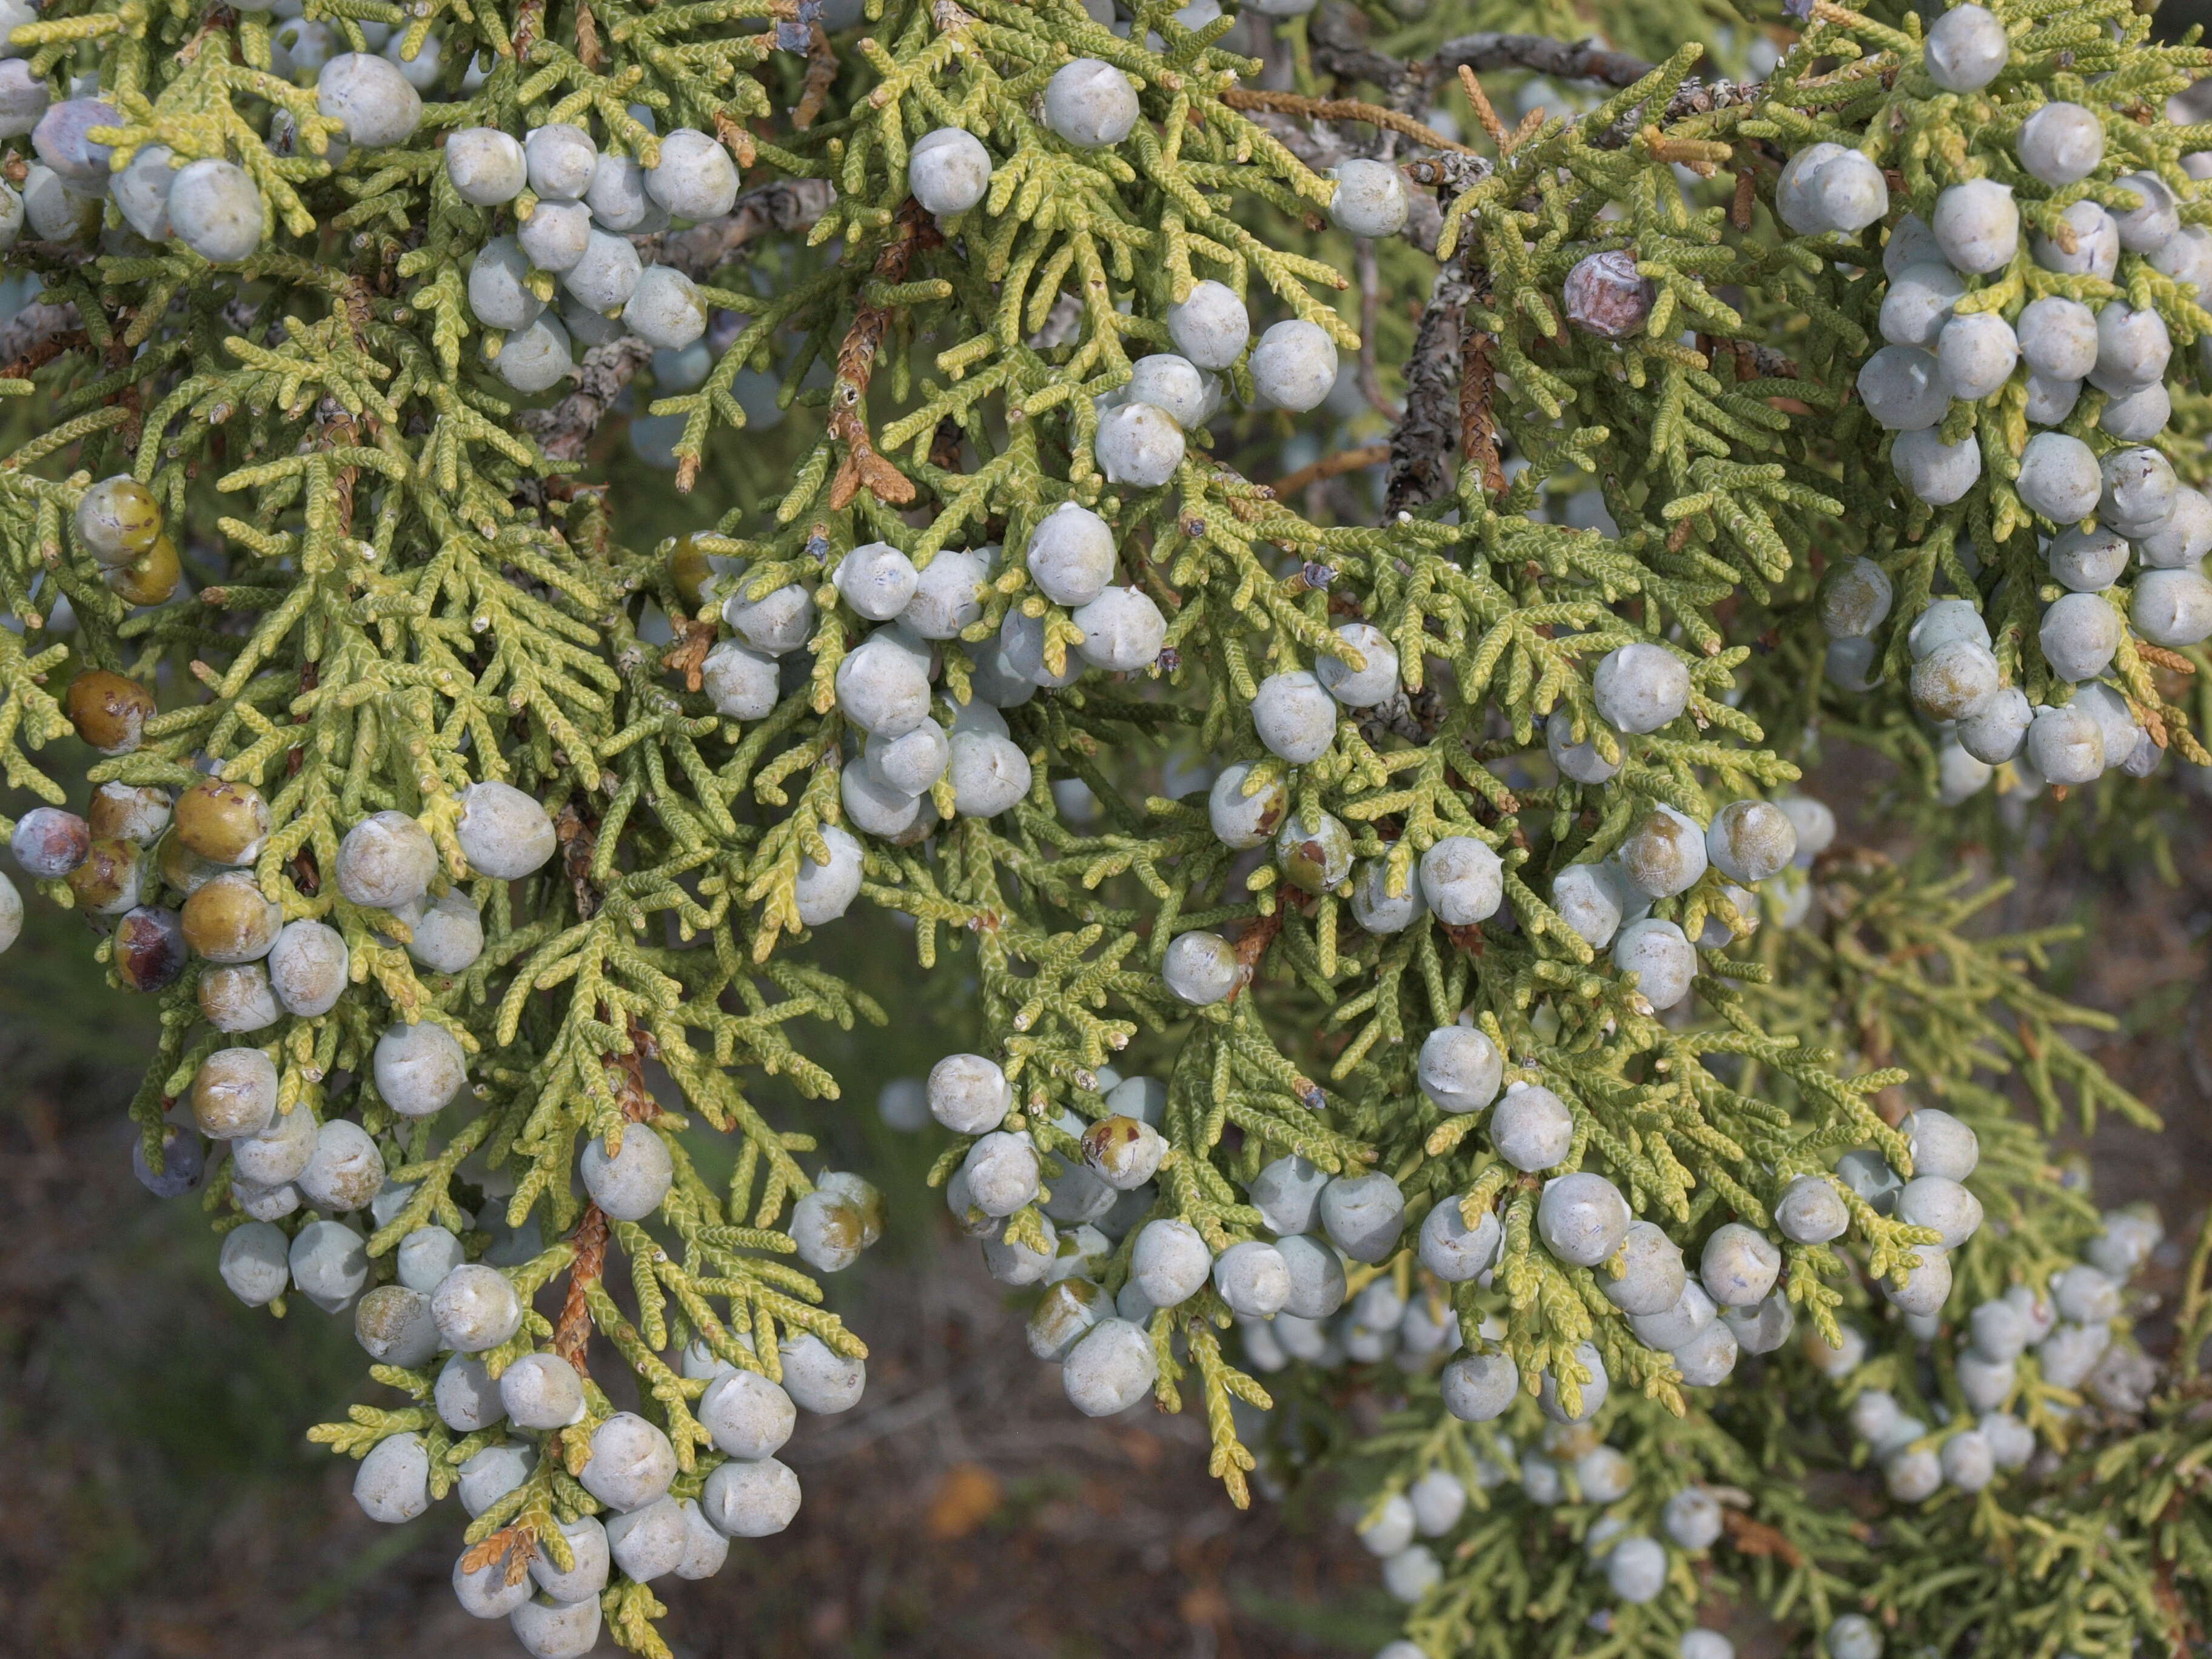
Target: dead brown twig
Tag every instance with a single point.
(862, 467)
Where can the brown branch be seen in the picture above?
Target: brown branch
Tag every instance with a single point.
(821, 73)
(1419, 472)
(36, 335)
(862, 467)
(589, 52)
(572, 1331)
(1344, 460)
(1478, 385)
(1558, 60)
(786, 206)
(1342, 109)
(564, 431)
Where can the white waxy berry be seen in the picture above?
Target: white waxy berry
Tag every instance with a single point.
(2086, 1296)
(1953, 680)
(969, 1094)
(1582, 1218)
(648, 1543)
(2070, 1353)
(1966, 50)
(705, 1549)
(2088, 560)
(535, 359)
(1708, 1358)
(944, 595)
(1926, 1287)
(883, 686)
(747, 1415)
(1201, 968)
(1388, 1529)
(1986, 1384)
(1594, 1387)
(418, 1068)
(2184, 538)
(628, 1184)
(1478, 1387)
(1635, 1569)
(876, 579)
(2095, 250)
(1294, 365)
(345, 1171)
(371, 96)
(1462, 880)
(553, 238)
(1316, 1271)
(1812, 1211)
(2060, 143)
(493, 1473)
(586, 1574)
(1439, 1498)
(215, 208)
(64, 141)
(1174, 385)
(1640, 687)
(235, 1094)
(1664, 855)
(55, 212)
(329, 1263)
(1976, 225)
(1651, 1275)
(2048, 401)
(2187, 257)
(1942, 621)
(1660, 957)
(1913, 1475)
(393, 1482)
(1460, 1069)
(423, 70)
(2079, 634)
(1749, 840)
(1110, 1368)
(990, 775)
(819, 1379)
(1531, 1128)
(1170, 1261)
(24, 97)
(665, 309)
(1762, 1328)
(1852, 1636)
(1855, 596)
(1369, 199)
(948, 170)
(485, 1593)
(1454, 1251)
(307, 968)
(1253, 1278)
(1795, 200)
(561, 160)
(1138, 445)
(825, 889)
(695, 177)
(1379, 910)
(1850, 663)
(2139, 490)
(2155, 221)
(385, 861)
(910, 763)
(1070, 1310)
(1364, 687)
(1994, 732)
(1739, 1265)
(776, 623)
(2135, 414)
(1976, 354)
(1295, 717)
(256, 1263)
(1364, 1215)
(1579, 761)
(1590, 901)
(1967, 1461)
(1091, 104)
(2058, 338)
(1210, 326)
(1286, 1193)
(541, 1391)
(1123, 631)
(631, 1463)
(606, 274)
(1958, 776)
(425, 1256)
(2172, 608)
(2133, 347)
(1902, 388)
(1071, 555)
(1244, 821)
(504, 833)
(1002, 1173)
(1918, 304)
(487, 166)
(448, 935)
(745, 1499)
(618, 199)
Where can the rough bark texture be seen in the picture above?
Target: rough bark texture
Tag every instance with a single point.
(1421, 448)
(564, 431)
(786, 205)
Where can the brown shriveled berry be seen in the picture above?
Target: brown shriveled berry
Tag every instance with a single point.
(223, 820)
(129, 812)
(151, 578)
(149, 948)
(109, 882)
(226, 918)
(1606, 296)
(49, 843)
(109, 711)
